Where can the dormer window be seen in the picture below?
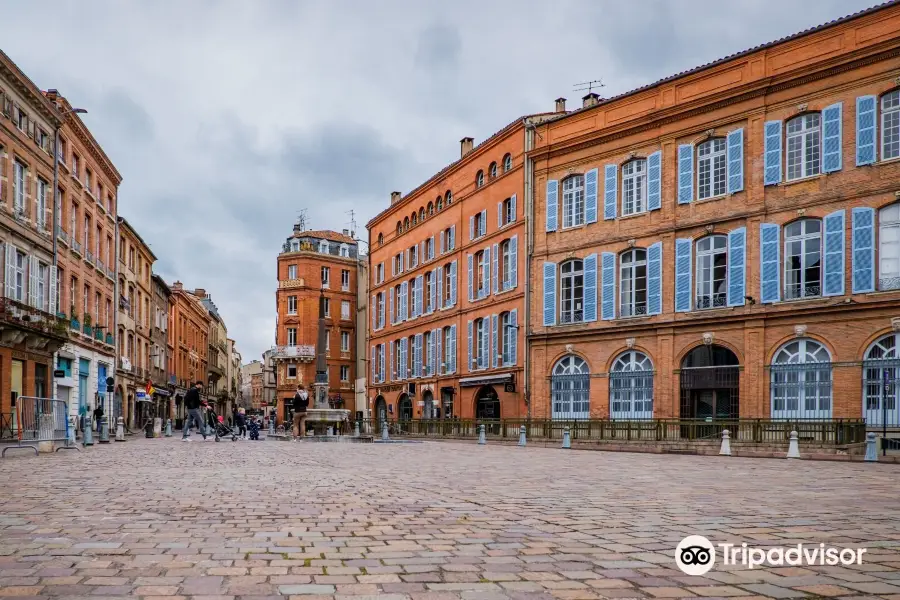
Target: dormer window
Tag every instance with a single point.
(295, 245)
(323, 246)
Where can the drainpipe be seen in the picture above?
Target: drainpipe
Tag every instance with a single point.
(529, 236)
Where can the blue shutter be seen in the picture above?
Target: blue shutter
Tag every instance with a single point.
(471, 291)
(512, 204)
(590, 288)
(402, 261)
(834, 254)
(419, 361)
(866, 149)
(590, 195)
(685, 173)
(552, 204)
(513, 262)
(374, 310)
(831, 138)
(549, 294)
(453, 349)
(770, 264)
(654, 279)
(469, 352)
(439, 286)
(608, 283)
(412, 290)
(420, 295)
(735, 159)
(494, 276)
(453, 297)
(513, 337)
(486, 282)
(863, 250)
(483, 225)
(401, 310)
(392, 372)
(493, 342)
(772, 153)
(471, 228)
(654, 181)
(683, 265)
(438, 350)
(403, 358)
(433, 296)
(431, 249)
(441, 243)
(452, 237)
(499, 215)
(381, 313)
(393, 314)
(610, 181)
(374, 366)
(737, 266)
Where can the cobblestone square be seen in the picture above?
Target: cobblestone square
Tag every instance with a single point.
(429, 521)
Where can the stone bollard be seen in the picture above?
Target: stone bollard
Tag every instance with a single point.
(104, 430)
(794, 446)
(522, 435)
(168, 427)
(271, 426)
(482, 438)
(871, 448)
(356, 429)
(73, 424)
(567, 439)
(384, 431)
(725, 450)
(88, 433)
(120, 429)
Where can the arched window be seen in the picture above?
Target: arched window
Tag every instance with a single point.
(801, 381)
(380, 239)
(507, 163)
(711, 173)
(399, 227)
(406, 224)
(571, 297)
(570, 385)
(573, 201)
(633, 275)
(431, 206)
(421, 214)
(712, 266)
(634, 187)
(631, 387)
(804, 146)
(890, 125)
(889, 248)
(413, 219)
(881, 368)
(448, 198)
(479, 179)
(439, 204)
(492, 171)
(803, 259)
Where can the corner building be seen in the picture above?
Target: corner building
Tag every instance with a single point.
(447, 290)
(726, 242)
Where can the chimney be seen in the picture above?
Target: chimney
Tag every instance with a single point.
(395, 197)
(590, 100)
(345, 232)
(465, 146)
(560, 105)
(200, 293)
(298, 228)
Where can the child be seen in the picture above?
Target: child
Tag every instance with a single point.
(254, 428)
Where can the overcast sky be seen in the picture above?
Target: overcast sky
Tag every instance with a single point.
(226, 118)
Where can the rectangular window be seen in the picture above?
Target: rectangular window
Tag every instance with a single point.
(447, 237)
(803, 146)
(506, 264)
(712, 266)
(75, 166)
(292, 371)
(345, 280)
(803, 259)
(572, 292)
(292, 272)
(483, 266)
(633, 275)
(292, 305)
(711, 175)
(326, 276)
(379, 273)
(890, 125)
(448, 282)
(20, 276)
(345, 309)
(87, 182)
(480, 225)
(292, 336)
(427, 292)
(327, 340)
(573, 201)
(19, 187)
(42, 283)
(507, 211)
(40, 219)
(479, 331)
(327, 307)
(345, 341)
(345, 373)
(413, 256)
(634, 187)
(398, 263)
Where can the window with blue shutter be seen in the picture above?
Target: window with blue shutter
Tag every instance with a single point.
(834, 254)
(654, 279)
(513, 336)
(374, 308)
(608, 286)
(866, 150)
(453, 297)
(863, 250)
(403, 358)
(451, 360)
(452, 238)
(685, 173)
(610, 180)
(469, 352)
(433, 296)
(392, 370)
(735, 158)
(404, 300)
(552, 204)
(499, 215)
(494, 277)
(772, 153)
(512, 206)
(482, 226)
(590, 288)
(393, 314)
(549, 294)
(471, 228)
(493, 351)
(737, 266)
(471, 289)
(770, 267)
(590, 195)
(683, 264)
(831, 138)
(439, 284)
(513, 262)
(438, 336)
(420, 295)
(441, 243)
(374, 365)
(418, 355)
(486, 284)
(654, 181)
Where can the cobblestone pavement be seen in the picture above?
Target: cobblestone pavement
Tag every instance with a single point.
(430, 521)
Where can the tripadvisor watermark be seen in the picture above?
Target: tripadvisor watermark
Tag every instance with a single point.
(696, 555)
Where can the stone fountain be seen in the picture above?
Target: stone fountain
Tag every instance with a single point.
(321, 416)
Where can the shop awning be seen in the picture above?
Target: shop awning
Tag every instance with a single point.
(486, 380)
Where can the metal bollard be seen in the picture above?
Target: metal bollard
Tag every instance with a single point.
(522, 435)
(120, 429)
(567, 439)
(725, 450)
(482, 439)
(871, 448)
(794, 446)
(73, 424)
(356, 429)
(384, 431)
(104, 429)
(271, 426)
(88, 432)
(168, 427)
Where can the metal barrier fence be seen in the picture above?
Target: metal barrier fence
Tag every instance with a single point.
(34, 421)
(826, 431)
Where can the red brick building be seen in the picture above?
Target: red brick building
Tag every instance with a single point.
(311, 264)
(189, 336)
(726, 242)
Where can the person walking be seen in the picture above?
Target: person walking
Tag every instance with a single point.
(192, 403)
(98, 415)
(301, 403)
(241, 423)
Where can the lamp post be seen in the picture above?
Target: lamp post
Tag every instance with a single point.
(56, 208)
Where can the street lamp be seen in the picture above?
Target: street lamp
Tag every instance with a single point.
(56, 207)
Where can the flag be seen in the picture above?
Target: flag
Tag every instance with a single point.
(150, 389)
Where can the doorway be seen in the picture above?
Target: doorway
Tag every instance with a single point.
(404, 408)
(380, 411)
(710, 384)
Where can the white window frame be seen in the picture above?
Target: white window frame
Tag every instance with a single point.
(379, 273)
(42, 298)
(427, 283)
(345, 310)
(707, 295)
(629, 305)
(782, 404)
(506, 336)
(483, 269)
(292, 271)
(19, 175)
(890, 113)
(20, 282)
(507, 163)
(573, 201)
(40, 219)
(889, 247)
(807, 139)
(345, 341)
(634, 187)
(292, 305)
(345, 280)
(505, 269)
(712, 165)
(291, 336)
(289, 375)
(629, 402)
(571, 291)
(327, 302)
(564, 404)
(806, 290)
(479, 327)
(323, 246)
(345, 373)
(326, 277)
(448, 282)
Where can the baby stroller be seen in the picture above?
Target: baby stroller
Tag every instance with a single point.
(219, 427)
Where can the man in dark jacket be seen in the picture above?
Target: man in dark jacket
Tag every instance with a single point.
(192, 403)
(301, 403)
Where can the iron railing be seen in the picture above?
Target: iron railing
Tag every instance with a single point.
(889, 283)
(713, 301)
(801, 391)
(881, 405)
(571, 396)
(796, 291)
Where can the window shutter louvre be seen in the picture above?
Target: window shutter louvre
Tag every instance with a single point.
(469, 354)
(453, 348)
(832, 130)
(374, 312)
(10, 274)
(735, 158)
(471, 228)
(654, 181)
(549, 294)
(590, 288)
(610, 180)
(552, 204)
(866, 148)
(685, 173)
(513, 263)
(420, 295)
(471, 290)
(439, 285)
(493, 351)
(512, 202)
(441, 243)
(392, 373)
(513, 337)
(590, 195)
(495, 268)
(683, 267)
(33, 281)
(438, 350)
(834, 254)
(453, 296)
(654, 279)
(499, 214)
(381, 314)
(418, 355)
(608, 282)
(404, 300)
(452, 237)
(737, 266)
(393, 314)
(483, 225)
(772, 153)
(770, 267)
(863, 250)
(403, 361)
(53, 284)
(433, 295)
(374, 366)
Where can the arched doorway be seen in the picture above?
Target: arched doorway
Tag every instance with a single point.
(404, 408)
(881, 368)
(570, 385)
(710, 378)
(800, 381)
(428, 411)
(487, 403)
(380, 410)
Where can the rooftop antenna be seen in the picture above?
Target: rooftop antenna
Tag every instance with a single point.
(588, 86)
(301, 219)
(352, 214)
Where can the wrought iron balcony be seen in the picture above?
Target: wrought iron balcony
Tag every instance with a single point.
(296, 352)
(76, 247)
(796, 291)
(889, 283)
(639, 309)
(89, 256)
(110, 273)
(62, 235)
(713, 301)
(28, 319)
(568, 317)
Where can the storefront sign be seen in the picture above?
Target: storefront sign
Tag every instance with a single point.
(389, 388)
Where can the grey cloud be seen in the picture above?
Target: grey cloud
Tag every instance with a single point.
(439, 47)
(126, 116)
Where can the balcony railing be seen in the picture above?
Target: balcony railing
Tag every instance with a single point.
(796, 291)
(110, 273)
(28, 317)
(567, 317)
(713, 301)
(294, 352)
(89, 256)
(637, 310)
(76, 247)
(889, 283)
(110, 340)
(62, 235)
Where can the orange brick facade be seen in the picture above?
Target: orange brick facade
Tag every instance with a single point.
(829, 74)
(189, 336)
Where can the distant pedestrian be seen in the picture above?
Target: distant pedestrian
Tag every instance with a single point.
(301, 403)
(241, 422)
(254, 428)
(98, 415)
(192, 403)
